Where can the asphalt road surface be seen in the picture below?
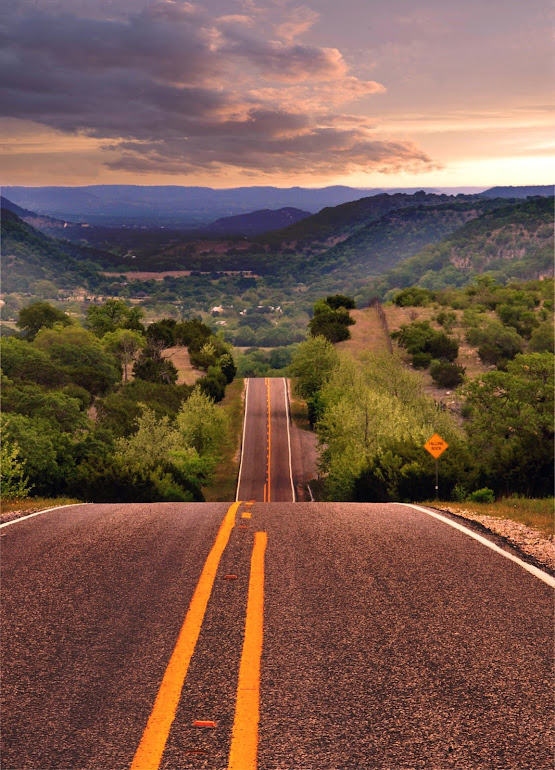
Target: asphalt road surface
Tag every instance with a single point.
(280, 635)
(266, 473)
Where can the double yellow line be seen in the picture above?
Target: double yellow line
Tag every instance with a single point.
(268, 485)
(244, 742)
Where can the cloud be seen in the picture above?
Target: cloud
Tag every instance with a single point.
(300, 20)
(175, 90)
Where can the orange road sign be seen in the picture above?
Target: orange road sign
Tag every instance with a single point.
(436, 446)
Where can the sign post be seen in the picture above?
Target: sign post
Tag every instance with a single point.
(436, 446)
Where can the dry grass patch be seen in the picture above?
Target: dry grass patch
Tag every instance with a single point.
(537, 514)
(187, 374)
(13, 509)
(367, 334)
(224, 484)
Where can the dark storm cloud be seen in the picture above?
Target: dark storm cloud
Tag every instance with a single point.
(175, 90)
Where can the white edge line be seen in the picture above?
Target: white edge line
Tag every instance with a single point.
(529, 567)
(39, 513)
(247, 379)
(286, 396)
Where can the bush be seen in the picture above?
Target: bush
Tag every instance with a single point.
(446, 374)
(497, 344)
(421, 360)
(484, 495)
(340, 300)
(15, 483)
(414, 296)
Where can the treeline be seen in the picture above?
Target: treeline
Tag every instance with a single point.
(373, 415)
(75, 423)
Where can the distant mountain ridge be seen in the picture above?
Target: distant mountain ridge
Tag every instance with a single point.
(180, 207)
(170, 206)
(257, 222)
(518, 192)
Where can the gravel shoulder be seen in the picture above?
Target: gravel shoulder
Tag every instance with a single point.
(531, 544)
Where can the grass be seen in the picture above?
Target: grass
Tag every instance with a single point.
(534, 513)
(299, 412)
(224, 484)
(187, 374)
(32, 504)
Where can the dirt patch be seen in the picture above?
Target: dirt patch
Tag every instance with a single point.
(187, 374)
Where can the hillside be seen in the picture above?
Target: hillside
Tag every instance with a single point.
(257, 222)
(382, 244)
(29, 256)
(332, 225)
(514, 241)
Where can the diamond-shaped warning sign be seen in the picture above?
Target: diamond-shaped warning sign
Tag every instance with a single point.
(436, 446)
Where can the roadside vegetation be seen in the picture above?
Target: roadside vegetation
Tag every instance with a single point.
(374, 411)
(93, 410)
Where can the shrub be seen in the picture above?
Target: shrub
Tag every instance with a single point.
(15, 484)
(421, 360)
(414, 296)
(484, 495)
(446, 374)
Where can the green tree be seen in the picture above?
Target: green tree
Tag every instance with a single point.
(312, 365)
(541, 339)
(81, 355)
(496, 343)
(40, 315)
(124, 344)
(335, 301)
(22, 362)
(113, 314)
(510, 419)
(152, 367)
(14, 483)
(202, 425)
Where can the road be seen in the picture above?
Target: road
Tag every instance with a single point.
(266, 472)
(280, 635)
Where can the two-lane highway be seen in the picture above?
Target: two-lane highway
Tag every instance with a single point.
(266, 472)
(277, 636)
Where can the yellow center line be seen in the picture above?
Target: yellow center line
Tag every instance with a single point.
(269, 496)
(149, 753)
(244, 740)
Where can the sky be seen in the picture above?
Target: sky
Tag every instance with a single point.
(226, 93)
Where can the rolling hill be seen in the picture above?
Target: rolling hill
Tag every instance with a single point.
(29, 256)
(513, 241)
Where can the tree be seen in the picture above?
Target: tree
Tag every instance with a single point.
(81, 355)
(14, 482)
(202, 424)
(496, 343)
(335, 301)
(542, 338)
(152, 367)
(312, 365)
(124, 344)
(159, 435)
(425, 343)
(113, 314)
(38, 315)
(22, 362)
(510, 419)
